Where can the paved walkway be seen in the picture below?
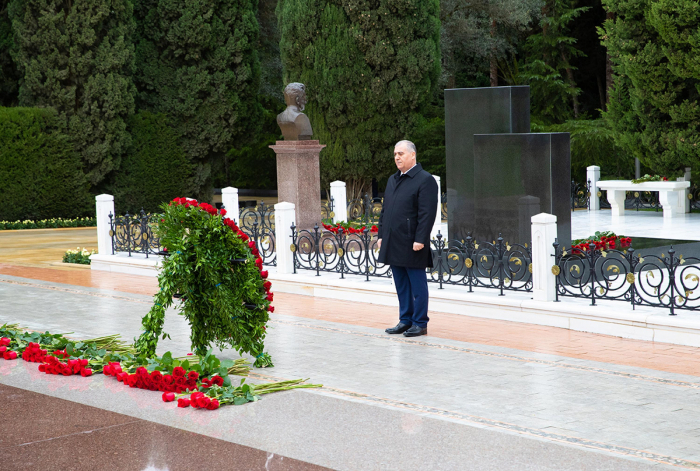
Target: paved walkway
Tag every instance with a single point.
(475, 394)
(472, 390)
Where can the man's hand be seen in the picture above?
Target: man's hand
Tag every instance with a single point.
(379, 244)
(417, 246)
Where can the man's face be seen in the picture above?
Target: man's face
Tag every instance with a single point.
(404, 157)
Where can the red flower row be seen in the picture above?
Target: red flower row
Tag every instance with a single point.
(197, 400)
(348, 230)
(6, 353)
(605, 243)
(53, 366)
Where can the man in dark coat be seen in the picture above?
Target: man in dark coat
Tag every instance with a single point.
(408, 214)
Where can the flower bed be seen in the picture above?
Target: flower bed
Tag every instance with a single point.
(48, 223)
(81, 256)
(601, 241)
(349, 228)
(202, 383)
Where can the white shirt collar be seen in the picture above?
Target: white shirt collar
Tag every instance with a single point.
(404, 173)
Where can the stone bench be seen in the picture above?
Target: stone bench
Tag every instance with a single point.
(671, 195)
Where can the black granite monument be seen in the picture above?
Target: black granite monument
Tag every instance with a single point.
(513, 178)
(517, 177)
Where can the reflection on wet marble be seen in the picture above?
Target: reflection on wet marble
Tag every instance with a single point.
(636, 224)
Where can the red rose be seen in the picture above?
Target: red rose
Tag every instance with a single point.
(214, 404)
(259, 263)
(251, 244)
(85, 372)
(222, 212)
(3, 349)
(255, 252)
(42, 368)
(271, 308)
(122, 376)
(168, 397)
(141, 371)
(263, 274)
(107, 370)
(168, 379)
(193, 375)
(183, 402)
(243, 236)
(270, 296)
(178, 371)
(218, 380)
(267, 285)
(5, 341)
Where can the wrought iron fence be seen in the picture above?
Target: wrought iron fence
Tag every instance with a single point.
(694, 197)
(666, 281)
(365, 210)
(497, 264)
(580, 195)
(327, 209)
(633, 200)
(262, 214)
(134, 233)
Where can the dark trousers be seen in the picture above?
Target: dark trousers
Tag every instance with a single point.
(412, 290)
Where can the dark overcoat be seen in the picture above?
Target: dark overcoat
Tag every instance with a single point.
(408, 215)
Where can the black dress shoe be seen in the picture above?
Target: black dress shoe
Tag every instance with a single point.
(399, 329)
(416, 331)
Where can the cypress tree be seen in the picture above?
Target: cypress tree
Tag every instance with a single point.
(369, 66)
(197, 63)
(653, 109)
(9, 76)
(77, 57)
(548, 68)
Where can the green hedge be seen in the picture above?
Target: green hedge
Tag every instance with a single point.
(48, 223)
(155, 168)
(41, 176)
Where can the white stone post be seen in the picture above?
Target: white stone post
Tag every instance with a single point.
(437, 224)
(686, 178)
(544, 232)
(104, 207)
(593, 175)
(229, 198)
(284, 217)
(340, 201)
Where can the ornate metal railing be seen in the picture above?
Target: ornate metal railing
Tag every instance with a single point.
(134, 233)
(327, 209)
(666, 281)
(642, 200)
(580, 195)
(496, 265)
(263, 215)
(365, 209)
(694, 197)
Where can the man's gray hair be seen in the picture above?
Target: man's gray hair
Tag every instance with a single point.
(410, 145)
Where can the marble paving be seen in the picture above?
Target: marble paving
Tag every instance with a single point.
(648, 224)
(389, 402)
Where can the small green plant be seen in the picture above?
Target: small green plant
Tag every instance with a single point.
(78, 255)
(650, 178)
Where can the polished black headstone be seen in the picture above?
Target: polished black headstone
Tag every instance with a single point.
(516, 177)
(470, 111)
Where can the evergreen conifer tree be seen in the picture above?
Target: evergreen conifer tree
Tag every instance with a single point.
(9, 76)
(654, 109)
(368, 67)
(548, 67)
(197, 63)
(77, 57)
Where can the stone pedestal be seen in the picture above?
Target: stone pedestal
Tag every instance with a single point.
(299, 179)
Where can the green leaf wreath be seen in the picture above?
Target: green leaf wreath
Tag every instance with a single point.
(216, 273)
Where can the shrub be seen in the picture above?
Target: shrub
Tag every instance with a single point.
(155, 168)
(78, 255)
(41, 176)
(48, 223)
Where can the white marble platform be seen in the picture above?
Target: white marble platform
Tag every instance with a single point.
(647, 224)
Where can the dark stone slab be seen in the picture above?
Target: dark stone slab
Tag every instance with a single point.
(470, 111)
(517, 176)
(41, 432)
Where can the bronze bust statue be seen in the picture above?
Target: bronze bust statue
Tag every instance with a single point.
(294, 124)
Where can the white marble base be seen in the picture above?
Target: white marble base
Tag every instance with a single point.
(648, 224)
(137, 264)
